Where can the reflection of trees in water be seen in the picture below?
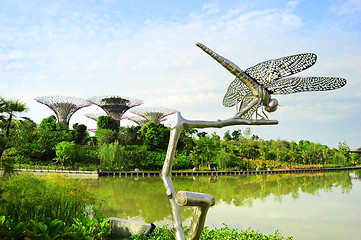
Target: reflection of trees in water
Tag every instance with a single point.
(145, 198)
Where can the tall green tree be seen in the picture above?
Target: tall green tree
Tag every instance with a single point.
(155, 136)
(9, 109)
(107, 122)
(80, 134)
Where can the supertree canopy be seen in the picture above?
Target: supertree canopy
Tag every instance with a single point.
(147, 114)
(63, 106)
(115, 106)
(137, 119)
(94, 116)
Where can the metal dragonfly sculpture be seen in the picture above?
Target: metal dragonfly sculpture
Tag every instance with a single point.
(253, 87)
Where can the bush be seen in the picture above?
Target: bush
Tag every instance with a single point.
(83, 228)
(105, 136)
(155, 136)
(219, 233)
(182, 162)
(107, 122)
(66, 152)
(112, 156)
(25, 197)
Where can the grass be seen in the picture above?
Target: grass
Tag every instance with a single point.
(27, 197)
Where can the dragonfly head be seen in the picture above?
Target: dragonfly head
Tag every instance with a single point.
(271, 105)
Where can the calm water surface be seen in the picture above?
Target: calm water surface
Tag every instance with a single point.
(306, 206)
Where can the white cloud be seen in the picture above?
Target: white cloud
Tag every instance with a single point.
(348, 7)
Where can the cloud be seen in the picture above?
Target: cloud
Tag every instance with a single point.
(350, 7)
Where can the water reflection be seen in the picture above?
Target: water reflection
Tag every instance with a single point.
(145, 199)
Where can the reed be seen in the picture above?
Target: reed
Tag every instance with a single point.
(27, 197)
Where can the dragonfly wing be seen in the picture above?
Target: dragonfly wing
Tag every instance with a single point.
(236, 92)
(269, 71)
(250, 112)
(306, 84)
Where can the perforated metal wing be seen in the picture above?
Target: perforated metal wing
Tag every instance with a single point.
(267, 72)
(238, 92)
(305, 84)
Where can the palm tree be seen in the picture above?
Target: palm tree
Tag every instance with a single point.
(10, 108)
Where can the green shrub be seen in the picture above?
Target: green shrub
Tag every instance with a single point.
(154, 160)
(112, 156)
(182, 162)
(25, 197)
(83, 228)
(105, 136)
(66, 153)
(209, 234)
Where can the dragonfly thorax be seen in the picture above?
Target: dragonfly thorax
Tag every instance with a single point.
(270, 104)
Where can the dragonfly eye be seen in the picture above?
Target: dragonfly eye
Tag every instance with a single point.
(272, 105)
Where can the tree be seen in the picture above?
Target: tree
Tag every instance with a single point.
(247, 133)
(227, 136)
(128, 135)
(236, 135)
(155, 136)
(5, 162)
(65, 152)
(10, 109)
(107, 122)
(80, 134)
(202, 134)
(186, 140)
(49, 134)
(107, 130)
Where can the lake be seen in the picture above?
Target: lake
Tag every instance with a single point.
(304, 205)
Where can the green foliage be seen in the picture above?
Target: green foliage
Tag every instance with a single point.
(155, 136)
(6, 163)
(8, 111)
(83, 228)
(128, 135)
(37, 144)
(236, 135)
(204, 151)
(186, 140)
(154, 160)
(112, 156)
(227, 136)
(96, 229)
(105, 136)
(107, 122)
(182, 162)
(209, 234)
(27, 197)
(66, 152)
(80, 134)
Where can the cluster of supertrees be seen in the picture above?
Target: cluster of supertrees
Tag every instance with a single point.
(115, 106)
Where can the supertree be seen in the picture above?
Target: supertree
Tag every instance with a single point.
(94, 116)
(137, 119)
(147, 114)
(63, 106)
(115, 106)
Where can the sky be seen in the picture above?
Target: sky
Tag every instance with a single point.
(146, 49)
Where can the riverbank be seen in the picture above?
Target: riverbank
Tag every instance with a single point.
(99, 173)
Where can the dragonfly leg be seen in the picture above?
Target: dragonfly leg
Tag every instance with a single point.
(244, 110)
(264, 114)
